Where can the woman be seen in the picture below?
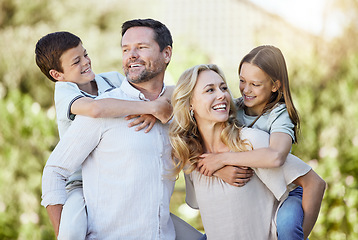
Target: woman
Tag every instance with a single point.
(204, 122)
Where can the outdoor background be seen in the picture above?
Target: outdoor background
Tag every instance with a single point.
(322, 63)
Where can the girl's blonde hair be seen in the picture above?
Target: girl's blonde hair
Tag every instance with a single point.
(271, 60)
(186, 141)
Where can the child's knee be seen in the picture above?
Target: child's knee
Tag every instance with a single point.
(72, 234)
(73, 229)
(73, 224)
(289, 219)
(291, 232)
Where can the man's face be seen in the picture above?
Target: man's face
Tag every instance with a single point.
(142, 58)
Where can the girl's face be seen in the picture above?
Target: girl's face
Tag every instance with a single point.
(256, 88)
(211, 99)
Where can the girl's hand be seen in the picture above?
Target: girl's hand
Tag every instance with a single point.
(235, 176)
(209, 163)
(144, 121)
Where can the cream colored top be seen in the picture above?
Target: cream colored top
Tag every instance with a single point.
(247, 212)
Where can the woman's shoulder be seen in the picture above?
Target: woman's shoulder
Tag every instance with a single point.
(247, 131)
(256, 137)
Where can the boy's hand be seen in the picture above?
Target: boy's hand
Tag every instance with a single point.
(144, 121)
(235, 176)
(209, 163)
(162, 109)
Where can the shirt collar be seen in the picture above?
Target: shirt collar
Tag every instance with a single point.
(131, 91)
(103, 84)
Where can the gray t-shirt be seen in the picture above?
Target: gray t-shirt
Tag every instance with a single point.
(276, 120)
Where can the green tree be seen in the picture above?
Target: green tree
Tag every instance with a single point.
(27, 136)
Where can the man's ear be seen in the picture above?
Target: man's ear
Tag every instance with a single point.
(167, 53)
(276, 86)
(56, 75)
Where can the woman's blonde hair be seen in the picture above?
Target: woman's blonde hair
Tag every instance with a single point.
(271, 60)
(184, 135)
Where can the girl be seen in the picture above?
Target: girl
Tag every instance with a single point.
(266, 104)
(204, 122)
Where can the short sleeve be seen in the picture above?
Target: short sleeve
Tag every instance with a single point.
(65, 94)
(115, 78)
(281, 121)
(280, 180)
(190, 197)
(277, 180)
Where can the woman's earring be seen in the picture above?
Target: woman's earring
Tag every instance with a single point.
(192, 113)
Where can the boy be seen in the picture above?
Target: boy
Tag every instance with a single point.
(63, 59)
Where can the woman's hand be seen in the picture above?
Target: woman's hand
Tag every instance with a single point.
(144, 121)
(235, 176)
(209, 163)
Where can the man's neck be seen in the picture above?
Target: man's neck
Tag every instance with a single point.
(151, 89)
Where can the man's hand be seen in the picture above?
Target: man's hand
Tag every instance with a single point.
(143, 121)
(235, 176)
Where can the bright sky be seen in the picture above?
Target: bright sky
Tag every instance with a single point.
(306, 14)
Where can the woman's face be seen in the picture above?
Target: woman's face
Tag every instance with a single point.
(211, 99)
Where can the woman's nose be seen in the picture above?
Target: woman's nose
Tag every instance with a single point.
(220, 95)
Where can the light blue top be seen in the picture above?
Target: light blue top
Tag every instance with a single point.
(67, 92)
(276, 120)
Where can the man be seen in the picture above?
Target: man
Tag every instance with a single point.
(125, 182)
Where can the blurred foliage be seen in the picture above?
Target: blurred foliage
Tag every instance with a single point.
(324, 87)
(28, 133)
(325, 90)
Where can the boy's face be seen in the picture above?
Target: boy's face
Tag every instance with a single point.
(76, 66)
